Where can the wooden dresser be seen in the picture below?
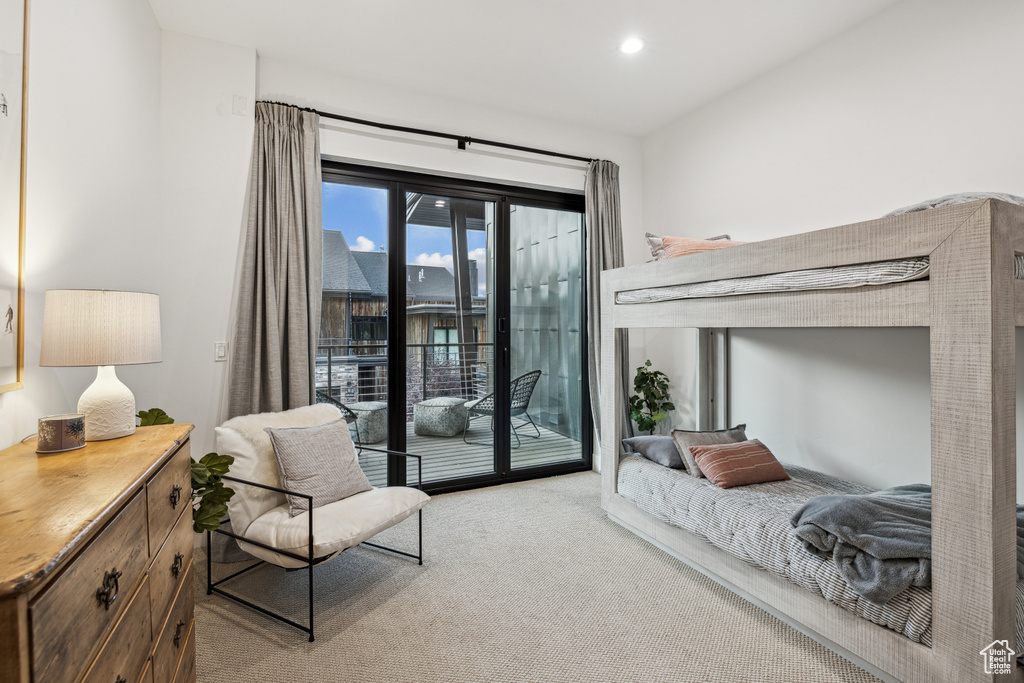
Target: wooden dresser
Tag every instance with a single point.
(96, 561)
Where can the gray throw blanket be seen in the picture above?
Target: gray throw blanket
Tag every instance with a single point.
(961, 198)
(881, 542)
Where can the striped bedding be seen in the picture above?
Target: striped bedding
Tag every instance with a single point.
(838, 277)
(752, 523)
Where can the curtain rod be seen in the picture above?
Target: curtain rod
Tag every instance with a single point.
(462, 140)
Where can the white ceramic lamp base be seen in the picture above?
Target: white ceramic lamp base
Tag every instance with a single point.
(108, 406)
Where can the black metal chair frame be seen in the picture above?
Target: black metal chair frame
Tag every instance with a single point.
(521, 391)
(309, 560)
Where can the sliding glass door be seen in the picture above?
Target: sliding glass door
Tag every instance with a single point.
(546, 343)
(352, 354)
(449, 315)
(452, 326)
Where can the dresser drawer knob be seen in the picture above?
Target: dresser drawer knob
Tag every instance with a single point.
(179, 560)
(177, 633)
(175, 495)
(107, 593)
(121, 679)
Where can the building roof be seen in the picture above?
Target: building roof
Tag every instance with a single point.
(366, 272)
(429, 283)
(341, 273)
(374, 265)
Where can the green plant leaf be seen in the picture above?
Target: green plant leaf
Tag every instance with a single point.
(209, 494)
(154, 416)
(207, 516)
(217, 464)
(200, 475)
(218, 493)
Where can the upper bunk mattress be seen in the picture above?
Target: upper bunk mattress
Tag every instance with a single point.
(752, 523)
(838, 277)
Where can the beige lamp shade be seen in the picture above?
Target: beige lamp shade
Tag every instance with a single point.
(96, 327)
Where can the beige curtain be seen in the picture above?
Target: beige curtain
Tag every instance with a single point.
(604, 251)
(278, 314)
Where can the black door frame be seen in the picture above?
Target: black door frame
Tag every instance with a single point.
(399, 182)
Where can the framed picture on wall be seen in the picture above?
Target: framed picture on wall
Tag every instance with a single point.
(13, 91)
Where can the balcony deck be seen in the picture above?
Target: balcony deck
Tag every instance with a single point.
(448, 457)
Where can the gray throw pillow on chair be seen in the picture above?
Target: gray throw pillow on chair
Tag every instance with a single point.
(318, 461)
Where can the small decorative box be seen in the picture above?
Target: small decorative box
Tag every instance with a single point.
(59, 433)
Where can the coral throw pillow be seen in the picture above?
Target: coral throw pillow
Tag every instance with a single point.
(738, 464)
(683, 246)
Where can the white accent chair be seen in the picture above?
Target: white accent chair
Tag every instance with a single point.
(259, 510)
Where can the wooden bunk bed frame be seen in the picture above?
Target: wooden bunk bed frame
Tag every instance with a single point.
(971, 303)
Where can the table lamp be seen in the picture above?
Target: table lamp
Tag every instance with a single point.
(86, 327)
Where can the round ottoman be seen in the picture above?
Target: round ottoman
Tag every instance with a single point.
(371, 420)
(442, 416)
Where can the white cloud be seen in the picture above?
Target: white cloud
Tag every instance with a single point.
(364, 244)
(446, 261)
(435, 259)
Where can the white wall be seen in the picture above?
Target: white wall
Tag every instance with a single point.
(92, 202)
(919, 101)
(205, 149)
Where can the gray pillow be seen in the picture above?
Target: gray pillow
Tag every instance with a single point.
(684, 439)
(657, 448)
(319, 461)
(656, 244)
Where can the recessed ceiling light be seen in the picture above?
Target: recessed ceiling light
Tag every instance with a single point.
(631, 45)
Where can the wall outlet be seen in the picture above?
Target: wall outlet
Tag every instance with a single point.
(220, 351)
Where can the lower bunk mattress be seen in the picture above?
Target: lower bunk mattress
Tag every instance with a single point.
(752, 523)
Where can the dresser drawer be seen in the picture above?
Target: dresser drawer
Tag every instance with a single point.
(125, 653)
(187, 666)
(172, 639)
(69, 619)
(168, 493)
(168, 569)
(147, 675)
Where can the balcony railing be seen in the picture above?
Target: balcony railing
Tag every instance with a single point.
(354, 371)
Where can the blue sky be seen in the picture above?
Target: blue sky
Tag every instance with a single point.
(361, 215)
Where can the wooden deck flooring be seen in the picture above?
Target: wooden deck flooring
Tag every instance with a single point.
(450, 458)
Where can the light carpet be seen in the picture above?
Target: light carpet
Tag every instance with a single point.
(526, 582)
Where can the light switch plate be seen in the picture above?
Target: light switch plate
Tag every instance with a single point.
(238, 105)
(220, 351)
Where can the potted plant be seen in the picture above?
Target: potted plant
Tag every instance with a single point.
(209, 494)
(650, 405)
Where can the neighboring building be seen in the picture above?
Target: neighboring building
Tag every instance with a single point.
(354, 328)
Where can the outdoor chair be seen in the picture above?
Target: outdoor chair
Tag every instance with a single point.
(288, 528)
(520, 390)
(346, 412)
